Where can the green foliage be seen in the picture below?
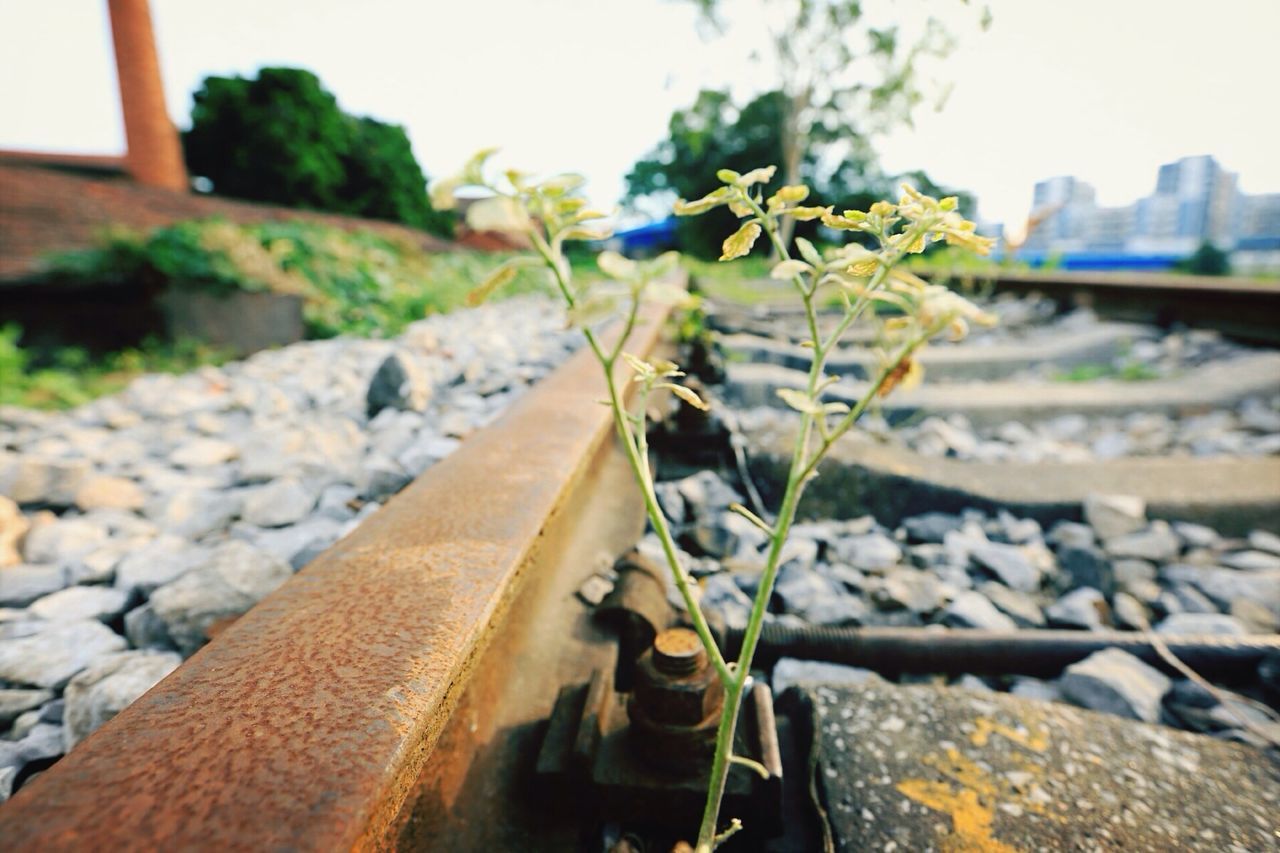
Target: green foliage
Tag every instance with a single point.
(71, 377)
(1208, 259)
(354, 283)
(282, 138)
(1130, 371)
(713, 132)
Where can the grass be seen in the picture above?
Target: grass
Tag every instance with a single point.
(1128, 372)
(359, 284)
(69, 376)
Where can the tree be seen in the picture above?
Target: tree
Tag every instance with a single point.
(845, 73)
(1208, 259)
(712, 133)
(282, 138)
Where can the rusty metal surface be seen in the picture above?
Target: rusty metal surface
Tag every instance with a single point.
(307, 724)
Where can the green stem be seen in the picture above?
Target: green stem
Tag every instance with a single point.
(638, 458)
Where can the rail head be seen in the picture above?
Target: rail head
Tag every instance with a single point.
(306, 724)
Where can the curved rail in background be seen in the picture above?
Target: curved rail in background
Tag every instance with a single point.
(309, 723)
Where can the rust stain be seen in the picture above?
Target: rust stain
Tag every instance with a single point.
(306, 724)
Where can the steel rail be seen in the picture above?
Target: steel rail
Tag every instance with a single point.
(1030, 652)
(310, 724)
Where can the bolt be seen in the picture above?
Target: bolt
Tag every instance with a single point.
(678, 651)
(675, 707)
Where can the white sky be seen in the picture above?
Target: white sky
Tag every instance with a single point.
(1103, 89)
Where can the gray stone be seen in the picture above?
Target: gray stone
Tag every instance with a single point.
(105, 492)
(157, 563)
(1114, 515)
(728, 535)
(203, 453)
(1263, 540)
(51, 657)
(381, 477)
(1190, 599)
(13, 527)
(1086, 566)
(791, 672)
(1251, 561)
(919, 592)
(972, 683)
(1255, 617)
(29, 479)
(398, 383)
(39, 742)
(146, 630)
(706, 494)
(283, 502)
(671, 502)
(1116, 682)
(81, 602)
(972, 610)
(1201, 623)
(931, 527)
(1070, 533)
(1019, 606)
(1156, 543)
(817, 599)
(1018, 531)
(1129, 572)
(1196, 535)
(110, 685)
(62, 541)
(720, 593)
(1009, 564)
(1026, 687)
(233, 578)
(1223, 586)
(17, 701)
(869, 552)
(194, 512)
(1085, 608)
(297, 544)
(21, 585)
(1129, 612)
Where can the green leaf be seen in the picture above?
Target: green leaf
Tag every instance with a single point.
(687, 395)
(757, 176)
(740, 242)
(804, 214)
(616, 266)
(790, 194)
(501, 275)
(593, 309)
(709, 201)
(581, 233)
(809, 253)
(800, 401)
(498, 213)
(789, 269)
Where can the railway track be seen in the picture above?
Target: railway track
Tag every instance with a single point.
(394, 693)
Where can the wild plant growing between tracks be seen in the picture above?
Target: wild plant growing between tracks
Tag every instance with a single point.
(867, 279)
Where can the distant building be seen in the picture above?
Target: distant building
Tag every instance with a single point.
(1195, 201)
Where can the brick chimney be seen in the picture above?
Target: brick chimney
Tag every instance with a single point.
(154, 155)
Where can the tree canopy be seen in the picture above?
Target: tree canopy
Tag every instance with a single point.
(714, 134)
(282, 138)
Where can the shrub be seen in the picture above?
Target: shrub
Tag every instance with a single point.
(282, 138)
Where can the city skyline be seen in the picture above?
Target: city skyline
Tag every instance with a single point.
(1047, 90)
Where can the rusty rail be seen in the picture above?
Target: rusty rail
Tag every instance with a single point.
(313, 722)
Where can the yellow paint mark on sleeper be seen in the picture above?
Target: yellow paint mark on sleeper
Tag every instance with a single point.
(1034, 740)
(970, 818)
